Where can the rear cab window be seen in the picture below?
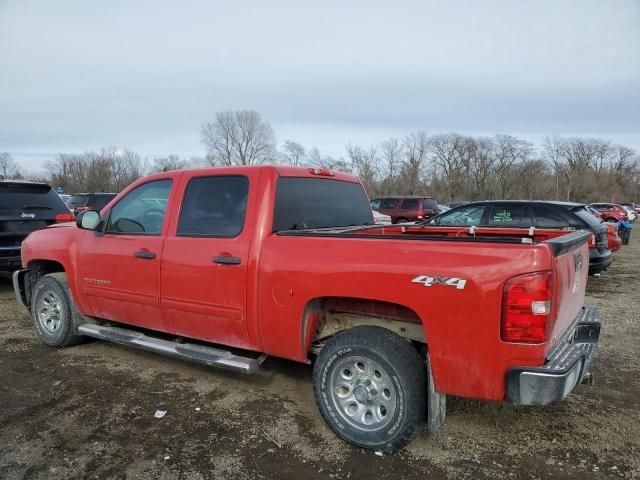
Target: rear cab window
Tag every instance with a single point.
(302, 203)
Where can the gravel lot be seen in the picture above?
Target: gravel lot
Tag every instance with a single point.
(88, 412)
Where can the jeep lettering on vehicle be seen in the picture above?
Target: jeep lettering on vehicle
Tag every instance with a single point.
(429, 281)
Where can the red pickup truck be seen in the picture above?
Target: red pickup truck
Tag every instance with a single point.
(226, 266)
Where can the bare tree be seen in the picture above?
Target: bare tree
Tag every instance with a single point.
(294, 152)
(8, 166)
(509, 151)
(238, 138)
(365, 164)
(170, 162)
(391, 157)
(446, 154)
(415, 147)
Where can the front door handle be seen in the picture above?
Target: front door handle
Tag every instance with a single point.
(145, 255)
(226, 260)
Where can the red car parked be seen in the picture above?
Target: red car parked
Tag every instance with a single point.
(225, 266)
(613, 240)
(403, 209)
(611, 212)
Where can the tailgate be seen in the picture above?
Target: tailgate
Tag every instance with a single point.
(570, 266)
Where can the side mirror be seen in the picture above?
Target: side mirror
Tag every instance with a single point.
(88, 220)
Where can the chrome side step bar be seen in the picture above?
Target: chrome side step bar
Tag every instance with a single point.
(210, 356)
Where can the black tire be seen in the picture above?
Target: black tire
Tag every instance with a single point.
(611, 220)
(61, 330)
(401, 365)
(402, 220)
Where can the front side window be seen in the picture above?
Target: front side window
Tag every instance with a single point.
(142, 210)
(461, 217)
(375, 204)
(214, 207)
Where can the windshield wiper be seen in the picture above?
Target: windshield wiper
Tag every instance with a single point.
(36, 207)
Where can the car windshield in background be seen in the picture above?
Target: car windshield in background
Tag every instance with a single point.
(319, 203)
(26, 197)
(78, 201)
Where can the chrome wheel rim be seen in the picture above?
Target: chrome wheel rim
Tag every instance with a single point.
(49, 312)
(363, 393)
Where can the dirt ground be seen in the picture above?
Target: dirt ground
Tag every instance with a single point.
(88, 412)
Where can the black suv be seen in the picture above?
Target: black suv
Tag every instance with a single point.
(80, 202)
(25, 207)
(538, 214)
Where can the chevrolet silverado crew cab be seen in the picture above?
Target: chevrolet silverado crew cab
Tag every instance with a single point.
(226, 266)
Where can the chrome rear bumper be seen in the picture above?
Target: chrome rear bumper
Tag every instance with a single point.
(566, 366)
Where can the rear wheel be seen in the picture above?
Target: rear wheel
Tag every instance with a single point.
(611, 220)
(402, 220)
(370, 387)
(53, 311)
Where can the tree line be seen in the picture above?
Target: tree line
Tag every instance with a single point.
(447, 166)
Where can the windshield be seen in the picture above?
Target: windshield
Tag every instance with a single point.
(29, 197)
(319, 203)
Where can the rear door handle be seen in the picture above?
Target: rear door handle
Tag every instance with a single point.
(226, 260)
(145, 255)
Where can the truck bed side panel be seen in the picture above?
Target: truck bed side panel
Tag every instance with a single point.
(462, 326)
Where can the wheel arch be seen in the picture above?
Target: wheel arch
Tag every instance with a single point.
(37, 269)
(323, 317)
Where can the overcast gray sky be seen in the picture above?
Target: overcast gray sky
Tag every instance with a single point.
(79, 75)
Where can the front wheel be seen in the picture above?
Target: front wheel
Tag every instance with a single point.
(370, 387)
(53, 311)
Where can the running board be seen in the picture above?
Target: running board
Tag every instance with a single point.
(212, 357)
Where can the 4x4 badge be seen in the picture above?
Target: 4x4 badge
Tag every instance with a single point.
(429, 281)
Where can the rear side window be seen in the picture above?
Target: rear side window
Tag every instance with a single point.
(548, 217)
(509, 216)
(601, 207)
(375, 204)
(429, 204)
(410, 203)
(318, 203)
(388, 203)
(214, 206)
(461, 217)
(29, 198)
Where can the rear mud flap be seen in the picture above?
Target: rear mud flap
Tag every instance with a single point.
(436, 402)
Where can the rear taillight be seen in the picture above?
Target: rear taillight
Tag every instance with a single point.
(526, 308)
(592, 241)
(65, 217)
